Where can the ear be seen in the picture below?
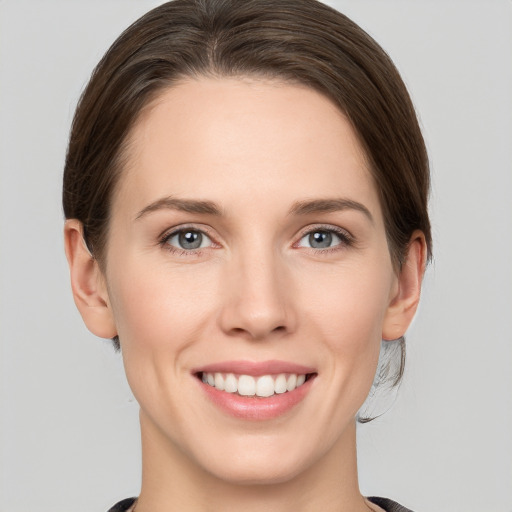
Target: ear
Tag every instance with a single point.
(88, 283)
(404, 302)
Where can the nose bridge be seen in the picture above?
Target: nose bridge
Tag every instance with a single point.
(257, 300)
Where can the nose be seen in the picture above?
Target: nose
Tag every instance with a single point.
(257, 297)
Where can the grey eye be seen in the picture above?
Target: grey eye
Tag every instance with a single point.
(320, 239)
(189, 239)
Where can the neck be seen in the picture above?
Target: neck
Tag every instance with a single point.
(172, 481)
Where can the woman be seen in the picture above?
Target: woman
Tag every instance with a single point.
(246, 200)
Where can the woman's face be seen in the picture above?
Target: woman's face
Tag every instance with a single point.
(247, 247)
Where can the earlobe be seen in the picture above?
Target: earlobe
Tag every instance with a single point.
(404, 302)
(88, 283)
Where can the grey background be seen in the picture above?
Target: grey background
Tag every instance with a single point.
(68, 423)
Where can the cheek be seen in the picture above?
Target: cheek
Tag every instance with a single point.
(348, 309)
(153, 307)
(348, 304)
(159, 314)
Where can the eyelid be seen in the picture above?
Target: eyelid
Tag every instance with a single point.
(347, 239)
(166, 235)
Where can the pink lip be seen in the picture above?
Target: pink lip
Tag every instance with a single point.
(255, 368)
(255, 408)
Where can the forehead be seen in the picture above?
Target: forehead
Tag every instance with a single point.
(225, 138)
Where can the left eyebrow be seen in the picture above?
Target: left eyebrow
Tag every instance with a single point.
(329, 205)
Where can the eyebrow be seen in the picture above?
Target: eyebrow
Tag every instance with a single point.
(329, 205)
(184, 205)
(306, 207)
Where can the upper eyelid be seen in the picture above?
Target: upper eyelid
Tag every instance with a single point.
(170, 232)
(325, 227)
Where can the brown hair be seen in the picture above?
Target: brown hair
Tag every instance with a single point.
(303, 41)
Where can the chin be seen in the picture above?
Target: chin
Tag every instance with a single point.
(260, 461)
(257, 473)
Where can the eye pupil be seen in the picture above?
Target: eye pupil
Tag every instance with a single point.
(320, 239)
(190, 239)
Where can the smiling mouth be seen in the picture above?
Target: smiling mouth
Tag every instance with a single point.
(262, 386)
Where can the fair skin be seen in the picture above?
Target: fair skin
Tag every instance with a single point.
(291, 264)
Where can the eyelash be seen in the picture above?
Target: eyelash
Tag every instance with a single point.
(164, 241)
(346, 240)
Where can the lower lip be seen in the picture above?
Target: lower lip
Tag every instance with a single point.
(257, 408)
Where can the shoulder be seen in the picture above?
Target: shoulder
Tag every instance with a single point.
(123, 506)
(388, 505)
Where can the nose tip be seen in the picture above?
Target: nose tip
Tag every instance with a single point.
(258, 324)
(257, 331)
(257, 303)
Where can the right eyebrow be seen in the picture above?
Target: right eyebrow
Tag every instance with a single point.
(184, 205)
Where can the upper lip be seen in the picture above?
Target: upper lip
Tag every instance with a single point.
(255, 368)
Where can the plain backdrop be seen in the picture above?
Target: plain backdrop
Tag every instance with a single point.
(69, 435)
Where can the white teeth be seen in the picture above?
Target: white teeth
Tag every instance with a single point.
(219, 381)
(291, 383)
(280, 385)
(247, 385)
(265, 386)
(230, 384)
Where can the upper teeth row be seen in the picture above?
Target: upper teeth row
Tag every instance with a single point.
(247, 385)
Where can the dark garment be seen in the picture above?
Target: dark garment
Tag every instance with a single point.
(387, 505)
(122, 506)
